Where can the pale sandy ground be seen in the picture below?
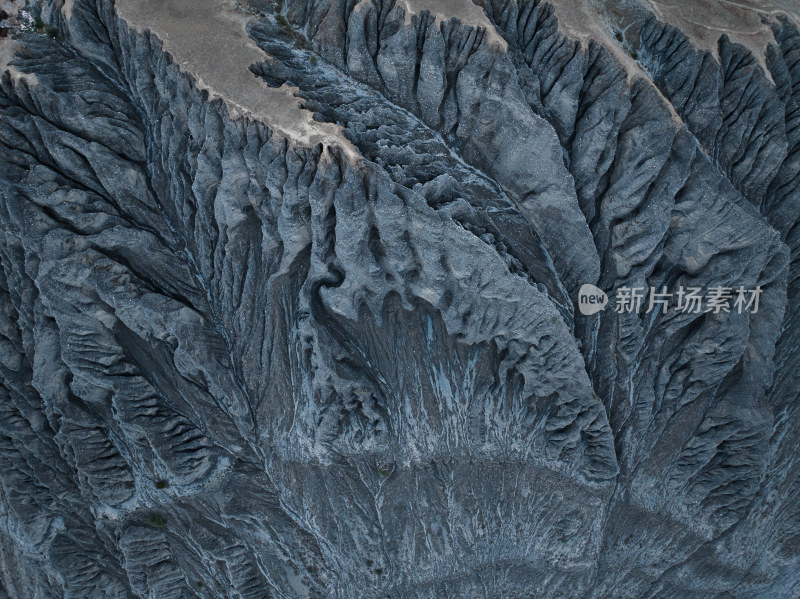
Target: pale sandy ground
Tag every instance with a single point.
(464, 10)
(8, 48)
(704, 21)
(207, 39)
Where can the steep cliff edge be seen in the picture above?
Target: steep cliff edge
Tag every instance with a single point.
(288, 300)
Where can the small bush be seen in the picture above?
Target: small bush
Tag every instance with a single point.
(156, 520)
(282, 21)
(312, 59)
(161, 484)
(618, 35)
(41, 27)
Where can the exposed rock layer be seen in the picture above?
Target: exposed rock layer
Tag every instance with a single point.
(236, 362)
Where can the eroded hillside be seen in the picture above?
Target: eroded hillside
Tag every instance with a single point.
(288, 299)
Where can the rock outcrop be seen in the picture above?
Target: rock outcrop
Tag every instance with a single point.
(289, 300)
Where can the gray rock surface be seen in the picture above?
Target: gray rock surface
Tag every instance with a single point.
(324, 341)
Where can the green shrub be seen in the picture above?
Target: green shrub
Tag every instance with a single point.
(156, 520)
(161, 484)
(383, 472)
(282, 21)
(41, 27)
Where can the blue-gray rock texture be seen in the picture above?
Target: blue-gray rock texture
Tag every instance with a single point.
(236, 363)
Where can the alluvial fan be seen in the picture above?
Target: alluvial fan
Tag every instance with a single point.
(399, 299)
